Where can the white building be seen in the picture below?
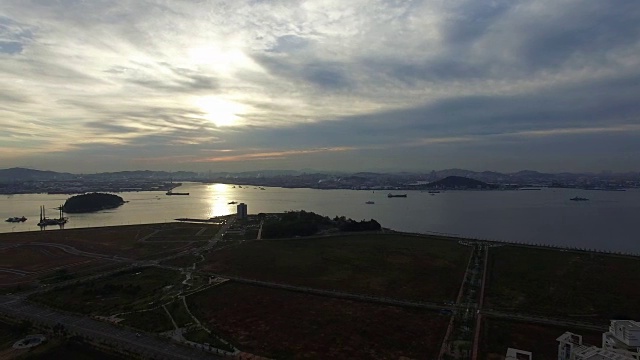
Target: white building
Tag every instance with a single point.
(621, 342)
(242, 211)
(515, 354)
(623, 337)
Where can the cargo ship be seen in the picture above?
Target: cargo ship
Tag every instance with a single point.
(176, 193)
(16, 219)
(396, 195)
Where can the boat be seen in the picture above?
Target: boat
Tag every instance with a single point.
(176, 193)
(396, 195)
(433, 192)
(370, 202)
(577, 198)
(261, 188)
(16, 219)
(232, 202)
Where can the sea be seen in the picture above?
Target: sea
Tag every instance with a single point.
(608, 221)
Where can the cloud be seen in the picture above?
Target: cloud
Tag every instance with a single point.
(382, 78)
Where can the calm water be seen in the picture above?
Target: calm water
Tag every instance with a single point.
(609, 221)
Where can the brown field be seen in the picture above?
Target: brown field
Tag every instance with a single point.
(38, 258)
(497, 335)
(398, 266)
(580, 285)
(132, 241)
(29, 262)
(288, 325)
(33, 263)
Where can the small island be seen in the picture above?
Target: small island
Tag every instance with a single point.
(92, 202)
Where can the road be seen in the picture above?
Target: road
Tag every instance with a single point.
(146, 345)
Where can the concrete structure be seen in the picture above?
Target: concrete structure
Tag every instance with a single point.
(621, 342)
(515, 354)
(242, 211)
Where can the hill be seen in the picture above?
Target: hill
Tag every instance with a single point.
(92, 202)
(23, 174)
(459, 183)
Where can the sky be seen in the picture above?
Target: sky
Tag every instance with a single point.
(358, 85)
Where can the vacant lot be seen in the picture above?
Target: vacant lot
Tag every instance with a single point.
(130, 290)
(408, 267)
(131, 241)
(285, 325)
(580, 285)
(498, 335)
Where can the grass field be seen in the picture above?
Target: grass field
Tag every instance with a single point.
(417, 268)
(580, 285)
(179, 313)
(154, 321)
(128, 290)
(497, 335)
(282, 325)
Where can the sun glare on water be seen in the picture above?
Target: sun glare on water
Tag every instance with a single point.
(221, 112)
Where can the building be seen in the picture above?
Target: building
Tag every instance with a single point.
(242, 211)
(623, 337)
(515, 354)
(621, 342)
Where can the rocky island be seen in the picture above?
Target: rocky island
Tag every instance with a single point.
(92, 202)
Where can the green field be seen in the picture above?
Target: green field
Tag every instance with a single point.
(130, 290)
(154, 321)
(179, 313)
(581, 285)
(392, 265)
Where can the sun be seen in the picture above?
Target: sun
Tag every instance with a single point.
(219, 111)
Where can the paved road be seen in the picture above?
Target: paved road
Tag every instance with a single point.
(144, 344)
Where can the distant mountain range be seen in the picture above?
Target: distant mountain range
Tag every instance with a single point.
(22, 174)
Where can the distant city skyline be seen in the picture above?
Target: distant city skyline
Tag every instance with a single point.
(330, 85)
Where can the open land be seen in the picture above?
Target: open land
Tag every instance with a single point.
(29, 258)
(578, 285)
(137, 267)
(124, 291)
(281, 324)
(497, 335)
(395, 266)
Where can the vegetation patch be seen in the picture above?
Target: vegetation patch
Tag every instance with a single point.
(389, 265)
(130, 290)
(580, 285)
(92, 202)
(282, 325)
(153, 321)
(303, 223)
(179, 313)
